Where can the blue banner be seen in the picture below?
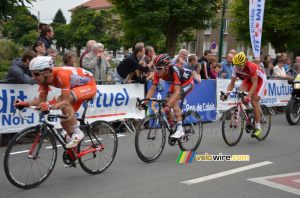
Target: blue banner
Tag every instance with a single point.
(201, 99)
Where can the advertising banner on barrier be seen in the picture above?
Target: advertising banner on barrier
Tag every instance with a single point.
(113, 102)
(277, 93)
(201, 99)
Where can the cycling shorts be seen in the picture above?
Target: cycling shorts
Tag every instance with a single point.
(261, 86)
(82, 93)
(185, 89)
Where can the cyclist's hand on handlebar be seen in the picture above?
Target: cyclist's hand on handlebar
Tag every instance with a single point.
(246, 100)
(44, 107)
(223, 97)
(20, 104)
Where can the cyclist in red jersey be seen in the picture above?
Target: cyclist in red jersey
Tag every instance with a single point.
(182, 85)
(77, 85)
(255, 83)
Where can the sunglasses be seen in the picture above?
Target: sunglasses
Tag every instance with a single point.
(240, 65)
(159, 68)
(37, 74)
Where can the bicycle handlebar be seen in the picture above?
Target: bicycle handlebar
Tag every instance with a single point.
(241, 94)
(36, 108)
(140, 102)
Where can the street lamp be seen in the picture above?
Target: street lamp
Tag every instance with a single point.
(38, 30)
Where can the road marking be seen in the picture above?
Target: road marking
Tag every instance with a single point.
(289, 182)
(225, 173)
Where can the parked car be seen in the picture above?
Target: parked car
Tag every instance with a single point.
(118, 58)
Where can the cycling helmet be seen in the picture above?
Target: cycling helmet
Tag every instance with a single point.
(238, 59)
(162, 60)
(41, 63)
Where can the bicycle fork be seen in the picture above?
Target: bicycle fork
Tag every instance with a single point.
(39, 139)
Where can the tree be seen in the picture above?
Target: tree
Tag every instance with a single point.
(8, 7)
(20, 25)
(85, 25)
(169, 18)
(59, 17)
(280, 28)
(29, 38)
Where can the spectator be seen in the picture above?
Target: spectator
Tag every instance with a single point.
(279, 71)
(183, 53)
(96, 63)
(142, 77)
(288, 62)
(39, 48)
(233, 52)
(258, 62)
(180, 62)
(227, 66)
(284, 57)
(196, 73)
(278, 55)
(191, 63)
(205, 67)
(268, 58)
(297, 59)
(69, 59)
(149, 56)
(215, 69)
(53, 53)
(19, 72)
(268, 68)
(47, 33)
(130, 64)
(89, 46)
(294, 71)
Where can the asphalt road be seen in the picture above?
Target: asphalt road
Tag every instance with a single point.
(128, 176)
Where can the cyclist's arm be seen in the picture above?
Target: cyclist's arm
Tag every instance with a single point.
(231, 85)
(254, 81)
(65, 99)
(37, 101)
(150, 93)
(175, 96)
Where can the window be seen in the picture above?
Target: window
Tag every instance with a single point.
(224, 49)
(271, 51)
(206, 46)
(225, 25)
(227, 4)
(208, 31)
(192, 47)
(249, 53)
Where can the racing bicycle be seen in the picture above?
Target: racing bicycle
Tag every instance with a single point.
(150, 137)
(31, 155)
(234, 118)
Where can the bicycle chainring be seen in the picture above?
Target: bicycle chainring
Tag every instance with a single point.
(67, 158)
(249, 128)
(171, 141)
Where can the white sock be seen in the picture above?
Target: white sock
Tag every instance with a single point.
(179, 126)
(257, 125)
(77, 131)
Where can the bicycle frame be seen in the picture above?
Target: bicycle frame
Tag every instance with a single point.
(72, 152)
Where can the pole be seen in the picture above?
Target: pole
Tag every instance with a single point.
(38, 23)
(221, 32)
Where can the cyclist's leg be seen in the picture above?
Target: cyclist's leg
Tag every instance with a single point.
(245, 86)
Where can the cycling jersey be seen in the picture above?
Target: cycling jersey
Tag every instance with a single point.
(251, 70)
(177, 76)
(76, 81)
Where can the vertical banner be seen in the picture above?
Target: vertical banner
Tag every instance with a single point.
(256, 18)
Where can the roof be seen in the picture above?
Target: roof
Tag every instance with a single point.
(94, 4)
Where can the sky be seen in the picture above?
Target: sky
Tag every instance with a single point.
(48, 8)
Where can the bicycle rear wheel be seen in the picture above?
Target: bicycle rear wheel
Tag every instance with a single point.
(265, 122)
(22, 168)
(150, 139)
(231, 131)
(193, 129)
(98, 161)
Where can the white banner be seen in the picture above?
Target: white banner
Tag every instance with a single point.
(256, 18)
(277, 93)
(114, 102)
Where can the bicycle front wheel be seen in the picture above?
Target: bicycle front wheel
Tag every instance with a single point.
(22, 166)
(232, 127)
(150, 139)
(265, 122)
(104, 138)
(193, 130)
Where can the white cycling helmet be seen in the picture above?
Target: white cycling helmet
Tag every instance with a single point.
(41, 63)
